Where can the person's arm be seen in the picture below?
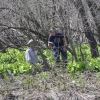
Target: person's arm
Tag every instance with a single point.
(64, 41)
(65, 44)
(50, 43)
(36, 58)
(63, 38)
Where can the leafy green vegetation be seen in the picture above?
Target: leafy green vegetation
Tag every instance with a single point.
(13, 61)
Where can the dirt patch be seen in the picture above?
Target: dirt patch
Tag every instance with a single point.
(53, 85)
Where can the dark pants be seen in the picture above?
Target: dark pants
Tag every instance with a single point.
(57, 52)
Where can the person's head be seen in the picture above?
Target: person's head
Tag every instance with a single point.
(31, 44)
(52, 31)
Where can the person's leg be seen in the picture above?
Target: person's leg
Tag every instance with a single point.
(56, 54)
(64, 55)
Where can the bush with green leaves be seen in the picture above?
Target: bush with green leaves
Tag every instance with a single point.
(13, 61)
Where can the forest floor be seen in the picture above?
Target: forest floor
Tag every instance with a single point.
(57, 84)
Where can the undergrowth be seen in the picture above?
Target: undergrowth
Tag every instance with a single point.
(13, 61)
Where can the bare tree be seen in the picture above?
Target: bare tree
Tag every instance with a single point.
(40, 15)
(95, 11)
(88, 33)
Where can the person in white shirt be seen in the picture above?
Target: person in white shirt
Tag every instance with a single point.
(30, 54)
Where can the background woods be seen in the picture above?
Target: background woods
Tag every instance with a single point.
(21, 20)
(79, 20)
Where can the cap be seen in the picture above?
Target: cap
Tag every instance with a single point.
(30, 41)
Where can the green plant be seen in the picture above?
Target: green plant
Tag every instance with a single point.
(14, 61)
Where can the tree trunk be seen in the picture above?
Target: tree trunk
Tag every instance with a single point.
(46, 65)
(88, 33)
(94, 11)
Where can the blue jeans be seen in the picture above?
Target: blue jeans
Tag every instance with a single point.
(57, 52)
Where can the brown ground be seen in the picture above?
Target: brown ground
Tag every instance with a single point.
(57, 84)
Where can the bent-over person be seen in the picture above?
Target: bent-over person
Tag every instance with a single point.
(58, 42)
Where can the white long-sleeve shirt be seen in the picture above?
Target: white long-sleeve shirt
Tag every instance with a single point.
(31, 56)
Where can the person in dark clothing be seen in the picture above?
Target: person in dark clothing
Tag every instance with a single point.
(57, 41)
